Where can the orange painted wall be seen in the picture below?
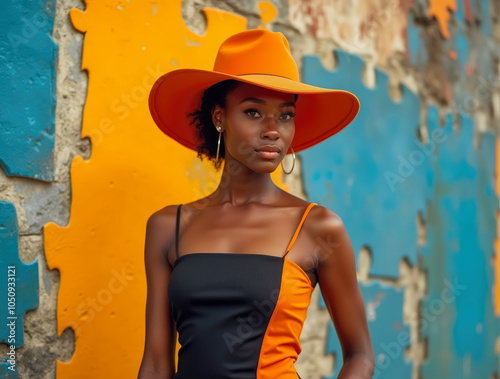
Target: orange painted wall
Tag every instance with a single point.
(440, 9)
(133, 171)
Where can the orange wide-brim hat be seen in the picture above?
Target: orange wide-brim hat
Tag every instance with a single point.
(258, 57)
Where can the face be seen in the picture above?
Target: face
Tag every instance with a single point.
(258, 126)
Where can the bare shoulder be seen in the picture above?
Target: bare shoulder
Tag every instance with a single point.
(163, 216)
(322, 219)
(327, 234)
(160, 228)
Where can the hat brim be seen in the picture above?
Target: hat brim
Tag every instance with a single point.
(321, 112)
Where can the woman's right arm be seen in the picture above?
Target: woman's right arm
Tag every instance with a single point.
(158, 360)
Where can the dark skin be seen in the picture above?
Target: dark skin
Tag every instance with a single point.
(248, 213)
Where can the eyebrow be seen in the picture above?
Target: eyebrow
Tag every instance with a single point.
(260, 101)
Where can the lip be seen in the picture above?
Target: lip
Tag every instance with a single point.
(269, 151)
(267, 154)
(270, 148)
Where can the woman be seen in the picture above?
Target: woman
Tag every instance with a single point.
(219, 270)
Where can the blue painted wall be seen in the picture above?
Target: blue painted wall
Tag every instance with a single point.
(461, 70)
(458, 318)
(21, 281)
(378, 177)
(28, 60)
(375, 175)
(390, 335)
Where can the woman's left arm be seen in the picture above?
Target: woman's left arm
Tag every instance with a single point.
(340, 290)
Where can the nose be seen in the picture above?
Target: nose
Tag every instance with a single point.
(270, 128)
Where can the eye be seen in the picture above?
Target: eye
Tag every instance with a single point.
(253, 113)
(287, 116)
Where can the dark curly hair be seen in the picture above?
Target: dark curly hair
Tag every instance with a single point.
(202, 119)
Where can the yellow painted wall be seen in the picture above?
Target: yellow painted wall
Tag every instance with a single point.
(133, 171)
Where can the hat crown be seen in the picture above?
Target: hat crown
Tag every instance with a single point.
(256, 51)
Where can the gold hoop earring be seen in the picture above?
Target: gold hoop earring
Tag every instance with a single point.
(218, 147)
(293, 165)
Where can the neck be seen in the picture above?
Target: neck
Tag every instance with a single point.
(240, 185)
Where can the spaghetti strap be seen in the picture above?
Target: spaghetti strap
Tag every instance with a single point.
(299, 227)
(177, 231)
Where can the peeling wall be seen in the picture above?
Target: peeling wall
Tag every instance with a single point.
(413, 178)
